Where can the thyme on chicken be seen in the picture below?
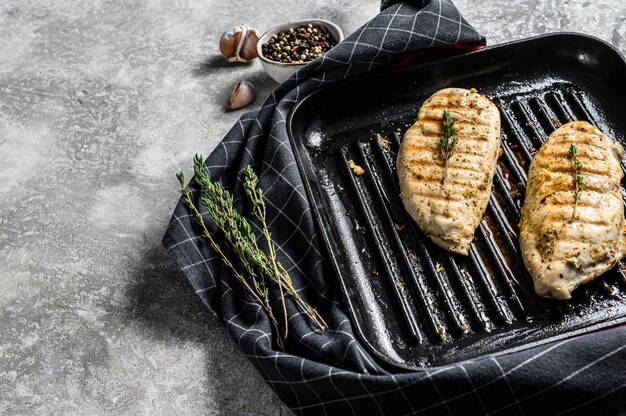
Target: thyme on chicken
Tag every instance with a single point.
(260, 270)
(579, 186)
(448, 142)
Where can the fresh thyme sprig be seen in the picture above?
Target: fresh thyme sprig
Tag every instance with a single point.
(277, 271)
(579, 186)
(260, 292)
(260, 270)
(258, 210)
(447, 142)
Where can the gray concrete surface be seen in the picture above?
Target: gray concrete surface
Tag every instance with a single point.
(100, 103)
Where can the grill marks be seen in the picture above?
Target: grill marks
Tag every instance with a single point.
(424, 155)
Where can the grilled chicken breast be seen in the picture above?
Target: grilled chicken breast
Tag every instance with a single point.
(450, 212)
(563, 249)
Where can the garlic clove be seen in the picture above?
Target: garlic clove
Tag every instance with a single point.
(239, 43)
(229, 42)
(248, 48)
(243, 94)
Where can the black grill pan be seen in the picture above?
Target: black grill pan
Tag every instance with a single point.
(413, 304)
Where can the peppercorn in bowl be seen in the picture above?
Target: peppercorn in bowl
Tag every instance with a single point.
(285, 48)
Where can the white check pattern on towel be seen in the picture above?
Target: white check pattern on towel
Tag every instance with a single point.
(330, 372)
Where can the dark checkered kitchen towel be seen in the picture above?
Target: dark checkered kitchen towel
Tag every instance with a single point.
(330, 373)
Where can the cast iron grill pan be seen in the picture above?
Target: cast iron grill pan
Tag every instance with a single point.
(413, 304)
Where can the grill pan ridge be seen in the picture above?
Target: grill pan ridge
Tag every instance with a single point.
(415, 305)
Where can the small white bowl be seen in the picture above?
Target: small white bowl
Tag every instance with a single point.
(280, 71)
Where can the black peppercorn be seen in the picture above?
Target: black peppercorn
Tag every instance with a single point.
(298, 45)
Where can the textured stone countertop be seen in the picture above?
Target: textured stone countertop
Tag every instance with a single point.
(100, 103)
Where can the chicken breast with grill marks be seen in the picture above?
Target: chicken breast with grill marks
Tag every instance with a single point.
(563, 249)
(449, 212)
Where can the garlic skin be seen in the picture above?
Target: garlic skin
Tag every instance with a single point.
(243, 94)
(239, 43)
